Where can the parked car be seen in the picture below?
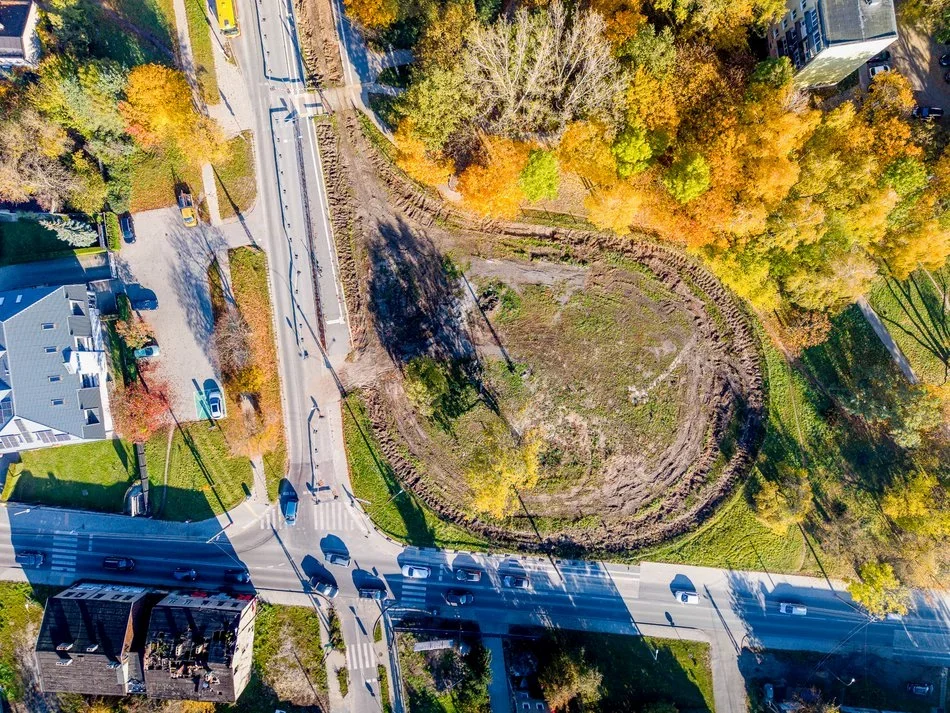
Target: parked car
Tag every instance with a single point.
(927, 112)
(686, 597)
(515, 581)
(372, 593)
(150, 352)
(920, 689)
(322, 586)
(466, 574)
(340, 559)
(118, 564)
(187, 208)
(945, 60)
(290, 509)
(185, 574)
(128, 229)
(793, 609)
(238, 576)
(459, 598)
(30, 558)
(144, 304)
(215, 404)
(878, 69)
(881, 57)
(415, 571)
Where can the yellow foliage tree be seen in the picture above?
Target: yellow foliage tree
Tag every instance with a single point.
(416, 160)
(374, 14)
(622, 19)
(503, 472)
(652, 103)
(492, 189)
(585, 151)
(614, 208)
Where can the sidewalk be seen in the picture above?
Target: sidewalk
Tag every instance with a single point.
(887, 340)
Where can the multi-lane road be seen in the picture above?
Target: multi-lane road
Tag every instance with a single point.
(734, 609)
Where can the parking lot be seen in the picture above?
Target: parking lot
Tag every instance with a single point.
(169, 262)
(916, 56)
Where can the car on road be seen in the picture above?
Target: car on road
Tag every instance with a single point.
(186, 207)
(215, 404)
(792, 608)
(340, 559)
(893, 616)
(128, 229)
(684, 597)
(30, 558)
(415, 571)
(878, 69)
(118, 564)
(515, 581)
(238, 576)
(467, 574)
(920, 689)
(290, 509)
(927, 112)
(150, 352)
(945, 60)
(144, 304)
(322, 586)
(376, 593)
(459, 598)
(185, 574)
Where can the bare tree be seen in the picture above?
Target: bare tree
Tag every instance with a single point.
(541, 71)
(232, 338)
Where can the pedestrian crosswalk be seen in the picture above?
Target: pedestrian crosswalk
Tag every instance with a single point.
(413, 593)
(328, 516)
(360, 656)
(63, 553)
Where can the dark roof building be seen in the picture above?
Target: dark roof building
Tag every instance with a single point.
(199, 646)
(827, 40)
(90, 640)
(18, 41)
(53, 368)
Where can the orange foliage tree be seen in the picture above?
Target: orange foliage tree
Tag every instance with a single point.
(614, 208)
(139, 411)
(492, 188)
(413, 157)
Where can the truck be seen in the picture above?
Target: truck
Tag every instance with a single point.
(227, 19)
(187, 207)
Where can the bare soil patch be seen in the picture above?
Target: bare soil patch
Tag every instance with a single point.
(318, 40)
(641, 371)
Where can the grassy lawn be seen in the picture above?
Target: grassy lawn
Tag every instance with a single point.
(631, 677)
(88, 476)
(28, 241)
(237, 186)
(199, 457)
(199, 31)
(915, 314)
(21, 611)
(108, 39)
(394, 511)
(156, 16)
(154, 176)
(288, 671)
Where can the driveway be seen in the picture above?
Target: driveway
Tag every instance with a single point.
(916, 56)
(171, 262)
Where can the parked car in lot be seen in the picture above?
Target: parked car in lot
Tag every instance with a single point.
(945, 60)
(684, 597)
(144, 304)
(920, 689)
(515, 581)
(322, 586)
(187, 208)
(927, 112)
(185, 574)
(30, 558)
(340, 559)
(372, 593)
(128, 229)
(878, 69)
(793, 609)
(150, 352)
(238, 576)
(459, 598)
(215, 404)
(467, 574)
(415, 571)
(290, 509)
(118, 564)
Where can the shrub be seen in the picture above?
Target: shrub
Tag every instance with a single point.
(113, 232)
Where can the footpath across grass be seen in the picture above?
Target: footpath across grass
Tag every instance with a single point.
(87, 476)
(394, 511)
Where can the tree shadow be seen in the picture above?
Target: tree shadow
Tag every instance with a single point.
(926, 311)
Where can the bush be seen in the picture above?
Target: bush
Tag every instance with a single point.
(113, 232)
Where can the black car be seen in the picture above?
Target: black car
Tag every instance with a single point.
(946, 77)
(458, 598)
(184, 574)
(239, 576)
(144, 304)
(372, 593)
(465, 574)
(128, 230)
(884, 56)
(945, 60)
(118, 564)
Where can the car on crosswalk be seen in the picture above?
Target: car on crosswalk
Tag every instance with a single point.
(459, 598)
(516, 581)
(415, 571)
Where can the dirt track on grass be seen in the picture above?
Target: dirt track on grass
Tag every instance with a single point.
(394, 235)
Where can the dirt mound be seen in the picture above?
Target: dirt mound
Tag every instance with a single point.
(415, 310)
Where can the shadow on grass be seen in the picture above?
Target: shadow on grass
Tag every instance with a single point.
(33, 488)
(926, 311)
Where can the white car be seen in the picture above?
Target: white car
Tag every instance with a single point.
(879, 69)
(686, 597)
(215, 404)
(793, 609)
(415, 571)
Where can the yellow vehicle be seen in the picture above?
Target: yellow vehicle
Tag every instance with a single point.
(227, 19)
(187, 207)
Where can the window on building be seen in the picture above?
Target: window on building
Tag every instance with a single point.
(62, 437)
(53, 379)
(50, 350)
(12, 441)
(803, 5)
(794, 13)
(49, 325)
(784, 23)
(90, 381)
(57, 402)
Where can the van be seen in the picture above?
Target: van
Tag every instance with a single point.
(793, 609)
(118, 564)
(290, 510)
(30, 559)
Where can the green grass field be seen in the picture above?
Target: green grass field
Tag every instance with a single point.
(237, 185)
(87, 476)
(28, 241)
(199, 32)
(394, 511)
(915, 313)
(156, 16)
(154, 176)
(21, 611)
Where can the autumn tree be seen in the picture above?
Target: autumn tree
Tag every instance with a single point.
(436, 104)
(492, 188)
(652, 51)
(413, 157)
(878, 590)
(632, 150)
(426, 384)
(30, 167)
(613, 208)
(138, 411)
(687, 178)
(501, 470)
(567, 677)
(622, 19)
(373, 14)
(443, 37)
(724, 21)
(780, 505)
(90, 191)
(135, 332)
(540, 178)
(585, 150)
(919, 504)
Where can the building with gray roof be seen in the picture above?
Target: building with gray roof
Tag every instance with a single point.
(19, 45)
(53, 369)
(827, 40)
